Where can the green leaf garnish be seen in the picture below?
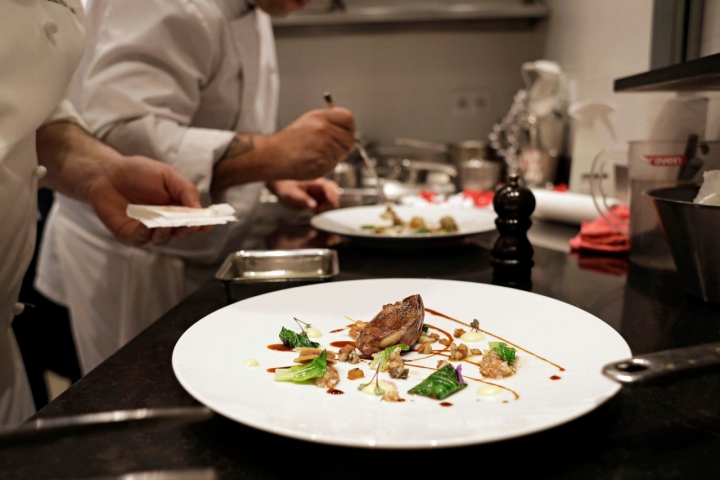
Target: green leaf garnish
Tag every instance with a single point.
(300, 373)
(425, 328)
(381, 359)
(504, 350)
(291, 339)
(440, 384)
(367, 227)
(422, 230)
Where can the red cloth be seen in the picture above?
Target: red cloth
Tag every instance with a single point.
(479, 197)
(600, 236)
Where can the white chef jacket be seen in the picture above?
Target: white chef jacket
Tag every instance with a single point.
(172, 80)
(40, 46)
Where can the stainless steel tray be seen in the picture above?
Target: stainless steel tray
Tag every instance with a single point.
(255, 266)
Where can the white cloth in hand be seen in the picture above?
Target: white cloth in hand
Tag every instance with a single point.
(154, 216)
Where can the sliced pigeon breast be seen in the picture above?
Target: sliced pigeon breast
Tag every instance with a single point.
(399, 322)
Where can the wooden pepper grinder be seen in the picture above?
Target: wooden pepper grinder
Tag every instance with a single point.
(512, 254)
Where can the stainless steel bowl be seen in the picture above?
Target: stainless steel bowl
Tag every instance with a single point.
(691, 231)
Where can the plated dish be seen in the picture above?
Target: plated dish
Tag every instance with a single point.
(372, 224)
(560, 353)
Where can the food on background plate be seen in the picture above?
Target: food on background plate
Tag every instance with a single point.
(415, 226)
(399, 322)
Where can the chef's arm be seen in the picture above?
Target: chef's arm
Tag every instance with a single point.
(84, 168)
(308, 148)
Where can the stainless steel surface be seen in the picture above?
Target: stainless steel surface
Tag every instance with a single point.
(189, 474)
(356, 197)
(480, 175)
(680, 361)
(691, 231)
(59, 427)
(253, 266)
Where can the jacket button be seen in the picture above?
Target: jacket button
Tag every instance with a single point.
(40, 172)
(51, 28)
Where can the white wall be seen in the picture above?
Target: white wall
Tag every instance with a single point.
(407, 83)
(597, 42)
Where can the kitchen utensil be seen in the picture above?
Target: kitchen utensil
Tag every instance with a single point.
(651, 164)
(561, 350)
(249, 266)
(188, 474)
(348, 222)
(59, 427)
(363, 154)
(678, 362)
(480, 175)
(691, 231)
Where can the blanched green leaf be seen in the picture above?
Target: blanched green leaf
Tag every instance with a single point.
(291, 339)
(300, 373)
(440, 384)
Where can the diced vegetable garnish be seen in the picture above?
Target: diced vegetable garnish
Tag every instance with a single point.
(504, 350)
(382, 358)
(291, 339)
(425, 327)
(367, 227)
(440, 384)
(300, 373)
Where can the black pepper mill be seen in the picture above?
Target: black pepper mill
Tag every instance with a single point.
(512, 254)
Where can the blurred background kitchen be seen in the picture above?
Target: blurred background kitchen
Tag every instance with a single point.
(448, 71)
(450, 83)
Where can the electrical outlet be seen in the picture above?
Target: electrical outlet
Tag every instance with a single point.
(469, 103)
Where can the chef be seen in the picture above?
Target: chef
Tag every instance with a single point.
(193, 84)
(42, 141)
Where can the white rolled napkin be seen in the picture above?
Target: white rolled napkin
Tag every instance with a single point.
(567, 207)
(709, 193)
(156, 216)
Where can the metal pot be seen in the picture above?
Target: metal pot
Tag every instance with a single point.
(469, 157)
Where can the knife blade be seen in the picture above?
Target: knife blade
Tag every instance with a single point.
(54, 428)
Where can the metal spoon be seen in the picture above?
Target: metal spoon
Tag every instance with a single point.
(364, 155)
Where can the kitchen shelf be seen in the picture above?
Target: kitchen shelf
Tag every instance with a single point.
(496, 15)
(694, 75)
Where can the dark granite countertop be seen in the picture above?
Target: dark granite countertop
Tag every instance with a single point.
(662, 431)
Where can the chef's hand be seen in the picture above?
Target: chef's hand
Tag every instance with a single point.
(86, 169)
(318, 195)
(312, 145)
(143, 181)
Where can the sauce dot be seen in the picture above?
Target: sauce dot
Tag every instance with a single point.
(313, 332)
(385, 385)
(251, 362)
(472, 336)
(489, 391)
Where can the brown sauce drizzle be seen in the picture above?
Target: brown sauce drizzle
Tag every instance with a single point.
(438, 314)
(446, 404)
(279, 347)
(555, 377)
(342, 343)
(341, 329)
(333, 391)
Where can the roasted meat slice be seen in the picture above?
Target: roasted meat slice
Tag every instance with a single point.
(399, 322)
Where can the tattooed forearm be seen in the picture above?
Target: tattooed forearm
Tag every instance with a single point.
(239, 146)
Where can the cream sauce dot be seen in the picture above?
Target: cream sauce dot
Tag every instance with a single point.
(313, 332)
(384, 384)
(251, 362)
(489, 391)
(472, 336)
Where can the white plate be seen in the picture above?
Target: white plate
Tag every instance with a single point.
(349, 222)
(209, 363)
